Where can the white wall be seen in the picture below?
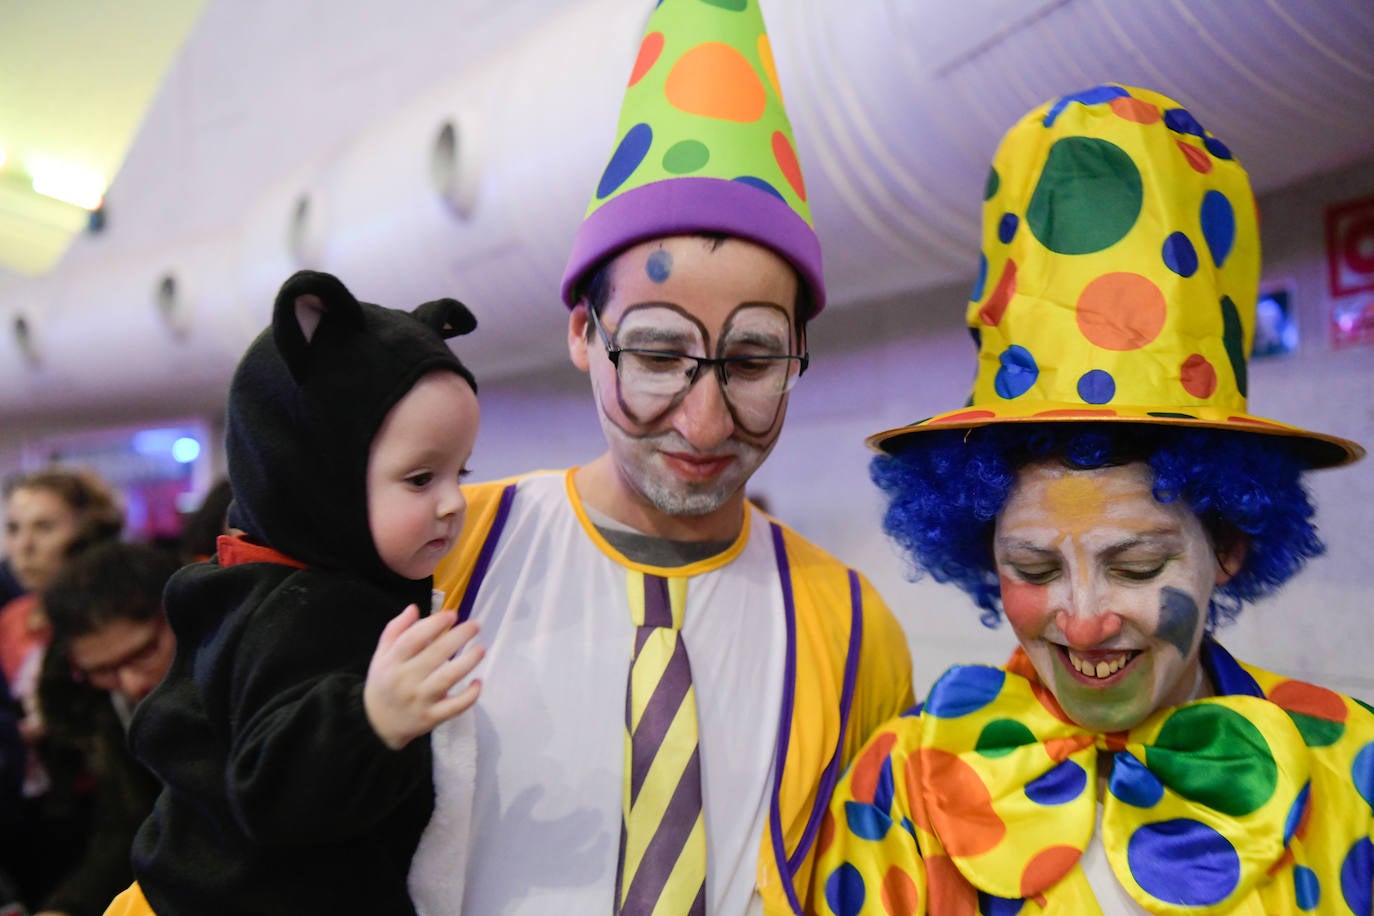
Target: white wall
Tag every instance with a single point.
(883, 364)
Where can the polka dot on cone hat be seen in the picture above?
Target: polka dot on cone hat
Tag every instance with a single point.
(1119, 276)
(703, 145)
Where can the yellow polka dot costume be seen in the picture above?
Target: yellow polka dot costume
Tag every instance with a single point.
(1117, 283)
(1259, 801)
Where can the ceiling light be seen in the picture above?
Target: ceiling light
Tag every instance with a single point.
(66, 182)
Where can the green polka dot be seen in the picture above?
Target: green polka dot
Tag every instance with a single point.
(685, 157)
(1233, 338)
(1363, 703)
(734, 6)
(1088, 196)
(1196, 756)
(1317, 732)
(993, 183)
(1001, 737)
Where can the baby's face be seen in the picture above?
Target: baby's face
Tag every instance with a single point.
(415, 507)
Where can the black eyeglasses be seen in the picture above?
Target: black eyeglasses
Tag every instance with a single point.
(652, 381)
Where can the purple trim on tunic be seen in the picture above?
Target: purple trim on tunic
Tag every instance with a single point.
(785, 719)
(682, 206)
(479, 569)
(832, 770)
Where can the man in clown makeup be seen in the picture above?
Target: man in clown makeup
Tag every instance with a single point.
(1107, 490)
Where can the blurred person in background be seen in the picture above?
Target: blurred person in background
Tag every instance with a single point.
(50, 515)
(111, 645)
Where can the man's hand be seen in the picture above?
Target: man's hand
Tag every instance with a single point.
(414, 668)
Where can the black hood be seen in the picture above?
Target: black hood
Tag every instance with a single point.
(304, 408)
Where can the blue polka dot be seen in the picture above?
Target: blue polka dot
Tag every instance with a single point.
(659, 266)
(1362, 772)
(1179, 255)
(1062, 784)
(1183, 862)
(1306, 887)
(981, 280)
(989, 905)
(1357, 876)
(634, 146)
(844, 890)
(1096, 386)
(1018, 372)
(1290, 825)
(761, 185)
(909, 827)
(963, 690)
(1094, 96)
(865, 821)
(1006, 227)
(1217, 148)
(1218, 225)
(882, 792)
(1181, 121)
(1133, 783)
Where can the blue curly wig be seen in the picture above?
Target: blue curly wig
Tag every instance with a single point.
(944, 496)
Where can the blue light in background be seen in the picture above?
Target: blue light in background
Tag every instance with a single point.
(185, 450)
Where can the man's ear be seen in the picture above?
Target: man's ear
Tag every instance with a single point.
(1231, 557)
(578, 321)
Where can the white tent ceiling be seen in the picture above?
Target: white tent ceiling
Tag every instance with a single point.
(304, 134)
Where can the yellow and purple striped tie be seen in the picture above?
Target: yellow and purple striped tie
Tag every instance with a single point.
(663, 835)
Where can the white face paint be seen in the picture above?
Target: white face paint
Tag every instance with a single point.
(693, 458)
(1106, 589)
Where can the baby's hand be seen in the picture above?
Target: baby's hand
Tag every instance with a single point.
(408, 680)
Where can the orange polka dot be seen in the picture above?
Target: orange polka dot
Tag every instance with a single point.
(770, 69)
(1197, 158)
(863, 781)
(716, 81)
(649, 50)
(1061, 749)
(1310, 700)
(1137, 110)
(1121, 311)
(1046, 869)
(787, 161)
(1255, 421)
(826, 835)
(1114, 741)
(950, 894)
(1197, 376)
(964, 819)
(912, 775)
(965, 415)
(899, 893)
(1283, 862)
(991, 312)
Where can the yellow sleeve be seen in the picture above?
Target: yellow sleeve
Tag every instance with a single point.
(454, 571)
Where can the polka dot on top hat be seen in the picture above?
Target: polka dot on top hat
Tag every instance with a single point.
(1118, 278)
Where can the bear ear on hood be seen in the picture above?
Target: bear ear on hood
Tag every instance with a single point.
(447, 317)
(306, 299)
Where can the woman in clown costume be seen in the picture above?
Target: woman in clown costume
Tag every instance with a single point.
(1107, 490)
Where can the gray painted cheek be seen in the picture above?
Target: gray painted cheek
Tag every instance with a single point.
(659, 267)
(1178, 619)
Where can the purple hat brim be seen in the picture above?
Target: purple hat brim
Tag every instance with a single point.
(682, 206)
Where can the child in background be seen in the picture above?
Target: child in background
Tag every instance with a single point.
(291, 733)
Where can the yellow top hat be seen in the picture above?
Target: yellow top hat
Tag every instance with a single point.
(1119, 276)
